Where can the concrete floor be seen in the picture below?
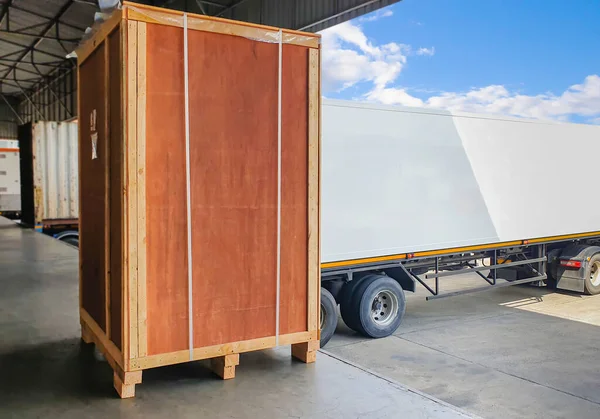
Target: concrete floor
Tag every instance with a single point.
(44, 372)
(517, 352)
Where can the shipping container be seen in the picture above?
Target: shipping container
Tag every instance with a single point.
(49, 178)
(199, 180)
(10, 184)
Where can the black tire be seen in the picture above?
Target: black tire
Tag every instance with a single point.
(388, 295)
(345, 299)
(73, 241)
(70, 236)
(329, 316)
(592, 276)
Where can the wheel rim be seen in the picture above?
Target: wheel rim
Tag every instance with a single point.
(595, 274)
(384, 308)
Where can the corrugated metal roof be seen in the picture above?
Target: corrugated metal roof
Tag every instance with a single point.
(8, 119)
(310, 15)
(36, 35)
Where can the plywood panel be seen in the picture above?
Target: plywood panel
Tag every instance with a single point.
(93, 185)
(116, 186)
(294, 190)
(233, 108)
(166, 227)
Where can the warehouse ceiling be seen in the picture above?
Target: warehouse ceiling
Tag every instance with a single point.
(36, 35)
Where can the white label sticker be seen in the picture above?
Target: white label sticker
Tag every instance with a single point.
(94, 134)
(94, 145)
(93, 120)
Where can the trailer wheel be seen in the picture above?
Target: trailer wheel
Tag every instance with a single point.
(378, 306)
(592, 276)
(345, 299)
(73, 241)
(329, 317)
(70, 237)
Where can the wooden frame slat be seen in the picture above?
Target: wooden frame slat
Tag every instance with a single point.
(208, 352)
(132, 197)
(150, 14)
(89, 46)
(106, 150)
(314, 106)
(124, 220)
(99, 337)
(141, 188)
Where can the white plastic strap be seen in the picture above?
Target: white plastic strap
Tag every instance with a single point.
(188, 184)
(280, 38)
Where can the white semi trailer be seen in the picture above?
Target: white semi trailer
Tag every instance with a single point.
(410, 195)
(10, 184)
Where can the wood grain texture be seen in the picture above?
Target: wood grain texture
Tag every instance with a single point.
(314, 142)
(86, 49)
(116, 186)
(124, 208)
(141, 181)
(233, 148)
(131, 190)
(94, 332)
(92, 186)
(207, 352)
(166, 227)
(294, 191)
(162, 16)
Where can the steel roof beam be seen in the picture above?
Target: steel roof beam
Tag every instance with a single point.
(4, 12)
(33, 35)
(20, 69)
(26, 28)
(31, 12)
(233, 6)
(212, 3)
(11, 108)
(39, 39)
(23, 47)
(52, 64)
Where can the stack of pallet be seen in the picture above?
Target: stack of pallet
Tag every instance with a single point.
(199, 184)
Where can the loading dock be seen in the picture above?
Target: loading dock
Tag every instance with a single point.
(46, 373)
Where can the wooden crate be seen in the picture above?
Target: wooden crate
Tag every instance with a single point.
(199, 214)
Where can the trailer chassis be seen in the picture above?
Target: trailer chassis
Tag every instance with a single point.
(566, 264)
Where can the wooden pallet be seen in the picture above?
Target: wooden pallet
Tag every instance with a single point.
(255, 228)
(223, 365)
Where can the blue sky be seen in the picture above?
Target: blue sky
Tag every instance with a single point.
(528, 58)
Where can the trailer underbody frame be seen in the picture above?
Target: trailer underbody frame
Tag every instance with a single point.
(524, 257)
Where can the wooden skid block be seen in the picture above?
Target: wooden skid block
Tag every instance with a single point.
(224, 366)
(125, 390)
(306, 351)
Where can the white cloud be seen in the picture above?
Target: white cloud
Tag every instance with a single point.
(379, 14)
(351, 58)
(426, 51)
(580, 99)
